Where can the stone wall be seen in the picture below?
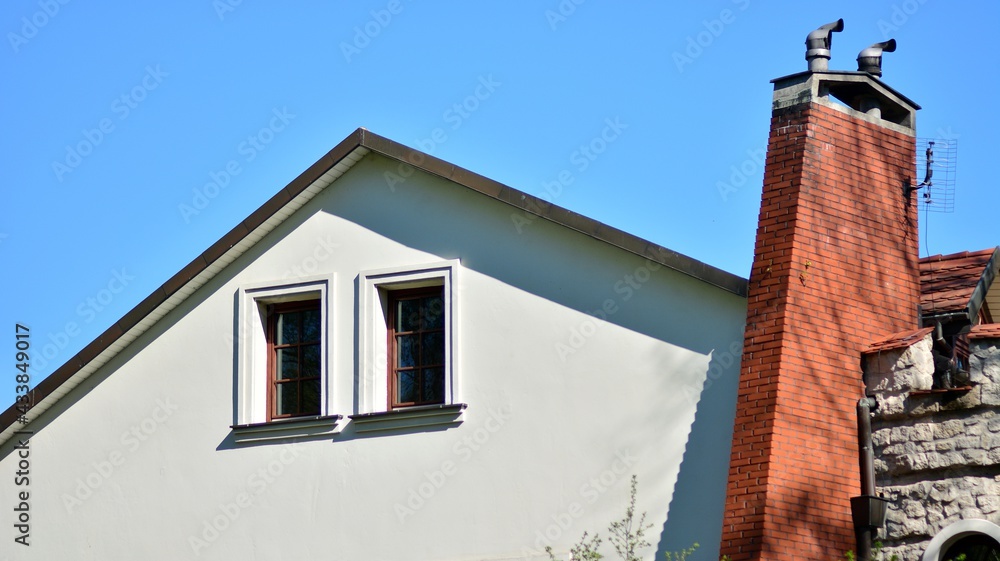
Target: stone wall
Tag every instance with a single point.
(937, 454)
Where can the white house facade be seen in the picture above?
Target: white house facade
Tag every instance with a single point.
(393, 359)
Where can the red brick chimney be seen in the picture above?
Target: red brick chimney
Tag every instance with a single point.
(835, 264)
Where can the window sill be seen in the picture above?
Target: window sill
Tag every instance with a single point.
(409, 418)
(316, 425)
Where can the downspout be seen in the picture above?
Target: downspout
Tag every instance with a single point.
(866, 461)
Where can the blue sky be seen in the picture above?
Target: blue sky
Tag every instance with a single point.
(137, 134)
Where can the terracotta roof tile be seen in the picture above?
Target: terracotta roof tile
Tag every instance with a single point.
(947, 281)
(985, 331)
(899, 340)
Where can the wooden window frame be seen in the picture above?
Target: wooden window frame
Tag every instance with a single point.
(394, 296)
(273, 311)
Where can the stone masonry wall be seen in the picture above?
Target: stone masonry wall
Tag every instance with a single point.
(937, 455)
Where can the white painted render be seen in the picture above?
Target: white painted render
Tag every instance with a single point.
(139, 462)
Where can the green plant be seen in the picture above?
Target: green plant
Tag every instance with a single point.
(627, 536)
(876, 554)
(624, 537)
(683, 554)
(584, 550)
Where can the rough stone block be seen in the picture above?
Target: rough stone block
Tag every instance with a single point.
(988, 503)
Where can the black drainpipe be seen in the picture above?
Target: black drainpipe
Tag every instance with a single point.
(866, 461)
(868, 511)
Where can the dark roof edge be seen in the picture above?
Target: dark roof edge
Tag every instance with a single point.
(544, 209)
(983, 286)
(362, 138)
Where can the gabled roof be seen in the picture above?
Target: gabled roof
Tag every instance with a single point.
(289, 199)
(957, 284)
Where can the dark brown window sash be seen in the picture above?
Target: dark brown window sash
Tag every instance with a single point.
(273, 311)
(395, 297)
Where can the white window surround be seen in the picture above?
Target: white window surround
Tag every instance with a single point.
(251, 353)
(373, 391)
(954, 532)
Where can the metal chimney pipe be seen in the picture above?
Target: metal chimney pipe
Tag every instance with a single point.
(870, 59)
(818, 46)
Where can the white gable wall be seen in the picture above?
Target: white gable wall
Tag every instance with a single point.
(560, 420)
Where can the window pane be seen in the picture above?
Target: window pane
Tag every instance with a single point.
(433, 385)
(288, 398)
(310, 326)
(310, 361)
(406, 387)
(432, 348)
(407, 350)
(310, 397)
(288, 327)
(287, 363)
(408, 315)
(433, 312)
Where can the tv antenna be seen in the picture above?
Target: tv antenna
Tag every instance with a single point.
(938, 160)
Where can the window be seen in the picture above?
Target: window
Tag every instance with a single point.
(408, 348)
(974, 547)
(416, 337)
(282, 349)
(978, 540)
(294, 345)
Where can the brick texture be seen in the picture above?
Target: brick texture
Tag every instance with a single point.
(835, 266)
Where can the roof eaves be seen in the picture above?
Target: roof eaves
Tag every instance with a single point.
(559, 215)
(166, 297)
(899, 340)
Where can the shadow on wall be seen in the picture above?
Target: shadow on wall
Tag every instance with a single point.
(700, 492)
(550, 261)
(570, 273)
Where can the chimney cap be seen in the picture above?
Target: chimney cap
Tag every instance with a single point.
(818, 44)
(870, 58)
